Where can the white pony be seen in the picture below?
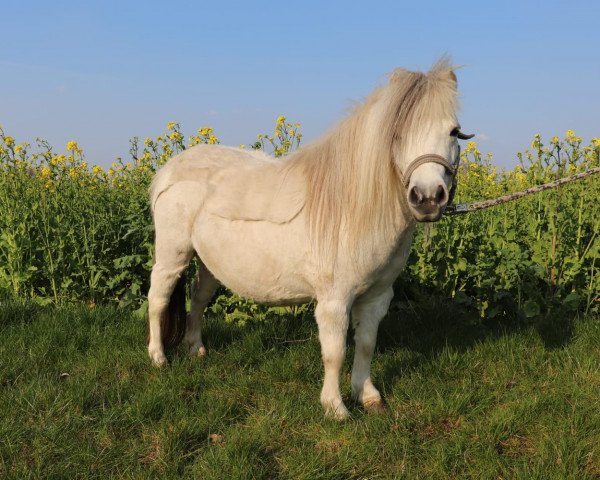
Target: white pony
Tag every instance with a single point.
(332, 222)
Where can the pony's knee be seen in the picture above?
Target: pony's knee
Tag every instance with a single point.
(332, 312)
(372, 309)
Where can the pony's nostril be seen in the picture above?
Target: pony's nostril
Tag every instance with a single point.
(440, 195)
(415, 196)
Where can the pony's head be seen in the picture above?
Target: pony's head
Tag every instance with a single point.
(387, 163)
(425, 148)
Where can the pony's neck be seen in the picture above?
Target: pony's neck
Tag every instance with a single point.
(355, 199)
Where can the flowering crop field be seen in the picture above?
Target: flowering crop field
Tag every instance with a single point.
(70, 231)
(488, 359)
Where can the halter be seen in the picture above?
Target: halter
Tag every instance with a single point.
(451, 169)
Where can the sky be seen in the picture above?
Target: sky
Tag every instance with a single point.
(101, 72)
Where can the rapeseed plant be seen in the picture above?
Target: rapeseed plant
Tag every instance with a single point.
(69, 232)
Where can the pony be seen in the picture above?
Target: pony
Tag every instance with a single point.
(331, 222)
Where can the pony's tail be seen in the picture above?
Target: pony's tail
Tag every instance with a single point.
(174, 320)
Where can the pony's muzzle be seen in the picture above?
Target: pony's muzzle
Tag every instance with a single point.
(428, 204)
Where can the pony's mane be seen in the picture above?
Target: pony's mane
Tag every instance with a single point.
(352, 182)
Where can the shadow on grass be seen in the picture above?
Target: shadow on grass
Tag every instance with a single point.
(439, 318)
(429, 324)
(425, 324)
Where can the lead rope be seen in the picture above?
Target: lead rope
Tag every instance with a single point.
(471, 207)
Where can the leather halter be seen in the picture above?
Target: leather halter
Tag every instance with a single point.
(427, 158)
(451, 169)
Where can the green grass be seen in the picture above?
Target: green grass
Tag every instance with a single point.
(465, 398)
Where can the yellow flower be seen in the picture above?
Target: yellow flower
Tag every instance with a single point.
(18, 149)
(72, 145)
(147, 141)
(175, 136)
(57, 159)
(596, 142)
(292, 132)
(73, 172)
(9, 141)
(97, 170)
(471, 147)
(554, 140)
(205, 131)
(242, 146)
(170, 125)
(280, 120)
(45, 172)
(110, 172)
(212, 139)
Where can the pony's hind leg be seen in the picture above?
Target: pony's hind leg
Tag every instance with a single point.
(163, 281)
(203, 289)
(366, 315)
(173, 252)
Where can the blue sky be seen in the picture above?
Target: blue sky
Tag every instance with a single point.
(102, 72)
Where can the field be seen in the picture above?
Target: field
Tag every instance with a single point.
(465, 399)
(488, 360)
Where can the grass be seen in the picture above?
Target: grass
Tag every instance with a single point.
(465, 398)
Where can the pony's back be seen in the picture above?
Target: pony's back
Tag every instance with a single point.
(199, 163)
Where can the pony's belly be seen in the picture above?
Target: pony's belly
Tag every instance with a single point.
(258, 260)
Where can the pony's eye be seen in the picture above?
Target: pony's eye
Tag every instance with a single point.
(455, 131)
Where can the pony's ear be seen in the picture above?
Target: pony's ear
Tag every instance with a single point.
(447, 75)
(398, 75)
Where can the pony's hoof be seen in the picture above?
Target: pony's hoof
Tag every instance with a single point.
(159, 362)
(339, 413)
(375, 406)
(158, 359)
(197, 350)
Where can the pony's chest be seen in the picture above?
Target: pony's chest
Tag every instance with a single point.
(383, 275)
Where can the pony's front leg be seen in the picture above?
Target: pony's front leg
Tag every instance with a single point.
(366, 315)
(332, 319)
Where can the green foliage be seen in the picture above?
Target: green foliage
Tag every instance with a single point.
(534, 254)
(71, 232)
